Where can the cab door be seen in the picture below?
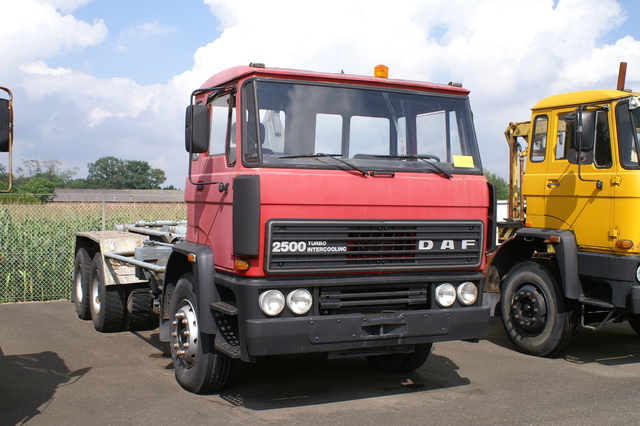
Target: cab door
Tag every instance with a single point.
(581, 197)
(209, 189)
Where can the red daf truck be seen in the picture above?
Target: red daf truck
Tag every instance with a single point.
(327, 213)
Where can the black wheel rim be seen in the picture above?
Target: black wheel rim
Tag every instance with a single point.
(529, 309)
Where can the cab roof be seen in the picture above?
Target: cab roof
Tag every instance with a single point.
(233, 74)
(581, 98)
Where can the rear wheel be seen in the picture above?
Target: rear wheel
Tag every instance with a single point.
(401, 363)
(81, 279)
(535, 315)
(138, 314)
(106, 302)
(199, 367)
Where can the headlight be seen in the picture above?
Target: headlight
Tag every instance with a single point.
(299, 301)
(445, 295)
(467, 293)
(271, 302)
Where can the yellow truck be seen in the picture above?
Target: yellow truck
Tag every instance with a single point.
(570, 254)
(6, 129)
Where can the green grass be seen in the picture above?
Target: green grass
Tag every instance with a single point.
(37, 243)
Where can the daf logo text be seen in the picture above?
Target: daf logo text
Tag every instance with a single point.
(447, 245)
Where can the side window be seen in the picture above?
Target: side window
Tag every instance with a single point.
(626, 139)
(219, 110)
(602, 142)
(565, 134)
(232, 137)
(602, 148)
(539, 142)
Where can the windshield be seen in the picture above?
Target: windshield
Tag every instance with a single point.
(325, 126)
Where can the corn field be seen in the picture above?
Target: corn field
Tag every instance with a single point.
(37, 242)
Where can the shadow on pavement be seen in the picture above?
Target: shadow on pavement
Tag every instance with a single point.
(303, 380)
(311, 379)
(29, 382)
(614, 344)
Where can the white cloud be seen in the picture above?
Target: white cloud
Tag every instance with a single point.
(35, 31)
(41, 67)
(65, 6)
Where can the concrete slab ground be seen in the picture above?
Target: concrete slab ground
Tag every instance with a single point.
(55, 369)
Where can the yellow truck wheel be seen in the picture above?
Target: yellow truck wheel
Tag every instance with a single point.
(535, 315)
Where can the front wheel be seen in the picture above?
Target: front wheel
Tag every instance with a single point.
(535, 315)
(401, 363)
(199, 367)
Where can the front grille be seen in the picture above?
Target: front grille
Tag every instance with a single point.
(366, 246)
(376, 298)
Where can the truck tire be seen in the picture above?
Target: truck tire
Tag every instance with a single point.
(138, 313)
(535, 315)
(199, 367)
(401, 363)
(81, 279)
(106, 302)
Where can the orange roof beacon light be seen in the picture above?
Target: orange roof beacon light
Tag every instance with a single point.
(381, 71)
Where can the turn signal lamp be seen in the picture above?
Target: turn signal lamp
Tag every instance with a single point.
(554, 239)
(624, 244)
(242, 264)
(381, 71)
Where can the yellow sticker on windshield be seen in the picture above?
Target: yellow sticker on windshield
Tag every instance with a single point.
(463, 161)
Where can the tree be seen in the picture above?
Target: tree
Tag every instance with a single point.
(502, 188)
(114, 173)
(50, 170)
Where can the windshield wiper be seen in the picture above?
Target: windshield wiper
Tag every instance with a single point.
(334, 156)
(424, 158)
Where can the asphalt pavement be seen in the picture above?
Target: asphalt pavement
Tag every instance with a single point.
(55, 369)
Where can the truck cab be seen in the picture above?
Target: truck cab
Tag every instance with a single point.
(335, 208)
(577, 252)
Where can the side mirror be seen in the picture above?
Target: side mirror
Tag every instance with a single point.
(585, 130)
(5, 126)
(197, 129)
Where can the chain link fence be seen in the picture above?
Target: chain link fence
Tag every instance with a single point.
(37, 241)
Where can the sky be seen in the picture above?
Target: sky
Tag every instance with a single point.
(96, 78)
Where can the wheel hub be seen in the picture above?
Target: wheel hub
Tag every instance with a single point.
(95, 297)
(529, 309)
(184, 334)
(77, 285)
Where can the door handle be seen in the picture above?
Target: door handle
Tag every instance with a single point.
(552, 184)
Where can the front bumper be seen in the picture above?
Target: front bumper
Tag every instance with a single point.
(278, 336)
